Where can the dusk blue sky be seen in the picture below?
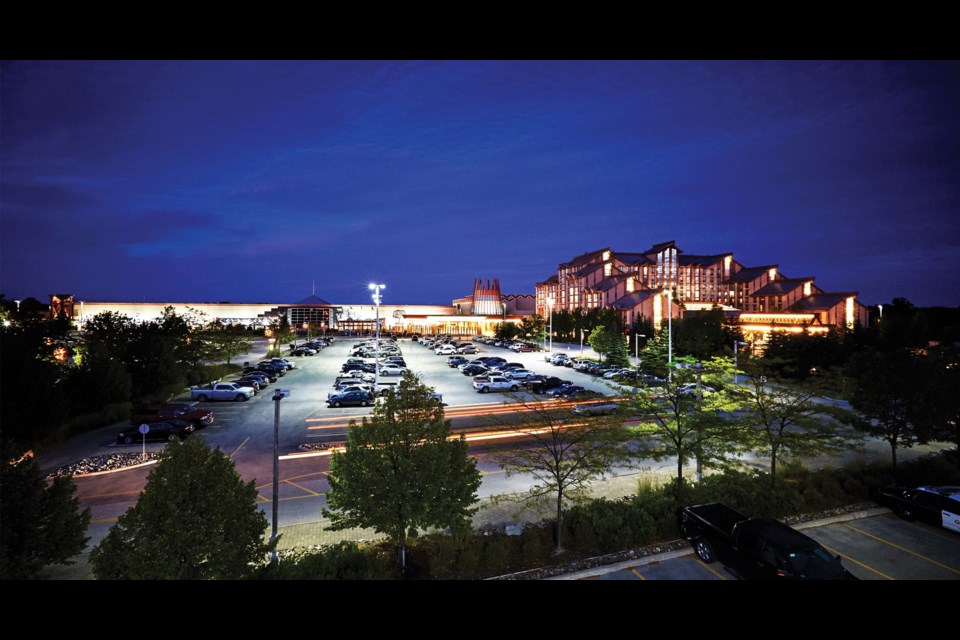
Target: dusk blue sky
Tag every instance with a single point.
(248, 181)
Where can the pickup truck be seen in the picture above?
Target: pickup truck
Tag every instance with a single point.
(483, 384)
(188, 411)
(756, 548)
(222, 391)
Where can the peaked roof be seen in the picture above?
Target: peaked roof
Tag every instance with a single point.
(663, 245)
(631, 300)
(824, 301)
(583, 258)
(610, 282)
(689, 259)
(749, 273)
(312, 300)
(551, 280)
(779, 287)
(632, 258)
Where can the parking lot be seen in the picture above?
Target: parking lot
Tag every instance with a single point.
(874, 545)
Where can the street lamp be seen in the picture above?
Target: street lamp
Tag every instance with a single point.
(669, 333)
(18, 308)
(550, 306)
(376, 367)
(636, 347)
(736, 345)
(278, 395)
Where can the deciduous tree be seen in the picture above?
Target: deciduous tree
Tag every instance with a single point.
(401, 470)
(562, 451)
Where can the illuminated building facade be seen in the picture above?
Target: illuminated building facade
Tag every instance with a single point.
(478, 313)
(761, 299)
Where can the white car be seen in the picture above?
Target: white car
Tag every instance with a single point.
(519, 374)
(445, 350)
(692, 388)
(392, 370)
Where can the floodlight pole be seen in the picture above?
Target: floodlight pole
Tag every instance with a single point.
(278, 395)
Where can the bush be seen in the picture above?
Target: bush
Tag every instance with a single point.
(498, 552)
(536, 543)
(345, 560)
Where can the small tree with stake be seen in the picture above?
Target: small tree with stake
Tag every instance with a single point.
(562, 451)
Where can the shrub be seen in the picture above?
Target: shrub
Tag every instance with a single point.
(345, 560)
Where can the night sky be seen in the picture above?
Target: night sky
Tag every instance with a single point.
(198, 181)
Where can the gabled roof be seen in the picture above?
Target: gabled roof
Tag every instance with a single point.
(824, 301)
(590, 268)
(610, 282)
(584, 257)
(632, 258)
(551, 280)
(657, 248)
(780, 287)
(703, 261)
(749, 273)
(312, 300)
(631, 300)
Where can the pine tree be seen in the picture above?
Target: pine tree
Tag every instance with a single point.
(195, 520)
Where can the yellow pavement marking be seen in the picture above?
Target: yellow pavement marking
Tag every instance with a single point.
(857, 562)
(896, 546)
(486, 473)
(711, 569)
(240, 447)
(298, 486)
(634, 571)
(107, 495)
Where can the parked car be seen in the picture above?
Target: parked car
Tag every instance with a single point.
(550, 382)
(518, 374)
(345, 388)
(392, 370)
(456, 361)
(467, 348)
(936, 505)
(445, 350)
(692, 388)
(473, 369)
(526, 348)
(351, 399)
(222, 391)
(167, 430)
(303, 351)
(595, 408)
(189, 411)
(484, 384)
(271, 375)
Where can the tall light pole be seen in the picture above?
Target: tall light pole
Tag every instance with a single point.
(18, 308)
(376, 288)
(669, 333)
(278, 395)
(736, 350)
(636, 347)
(550, 306)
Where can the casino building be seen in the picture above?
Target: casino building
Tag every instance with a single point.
(664, 281)
(474, 314)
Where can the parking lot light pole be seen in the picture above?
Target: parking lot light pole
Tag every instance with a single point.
(736, 349)
(550, 306)
(669, 333)
(278, 395)
(636, 346)
(376, 367)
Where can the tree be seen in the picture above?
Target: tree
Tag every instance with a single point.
(40, 524)
(786, 421)
(676, 423)
(609, 342)
(401, 471)
(531, 327)
(563, 452)
(195, 520)
(506, 331)
(891, 394)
